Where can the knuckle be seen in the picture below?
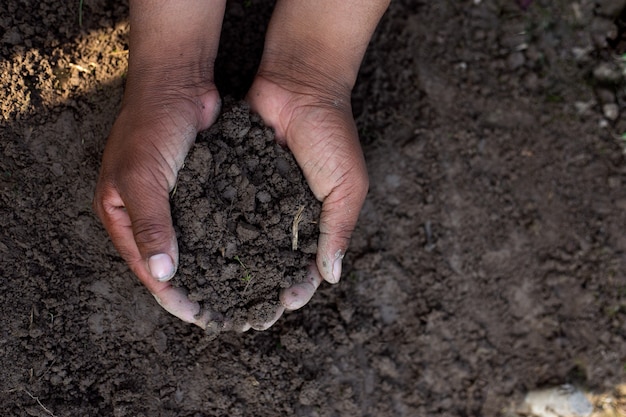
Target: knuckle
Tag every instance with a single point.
(104, 200)
(149, 232)
(129, 256)
(96, 206)
(354, 186)
(361, 187)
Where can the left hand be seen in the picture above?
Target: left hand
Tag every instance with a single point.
(319, 129)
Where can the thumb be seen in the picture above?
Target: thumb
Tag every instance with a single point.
(340, 212)
(142, 232)
(153, 233)
(140, 226)
(332, 161)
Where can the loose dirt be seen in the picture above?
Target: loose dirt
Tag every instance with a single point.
(248, 222)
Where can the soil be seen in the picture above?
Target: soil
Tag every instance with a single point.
(247, 221)
(489, 259)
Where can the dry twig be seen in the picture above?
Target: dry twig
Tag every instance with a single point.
(294, 228)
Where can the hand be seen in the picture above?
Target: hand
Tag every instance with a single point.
(312, 55)
(145, 150)
(317, 126)
(168, 99)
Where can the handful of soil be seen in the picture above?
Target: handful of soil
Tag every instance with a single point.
(246, 220)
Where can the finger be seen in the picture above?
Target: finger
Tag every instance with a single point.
(140, 224)
(299, 294)
(333, 164)
(340, 212)
(110, 208)
(153, 232)
(270, 323)
(174, 301)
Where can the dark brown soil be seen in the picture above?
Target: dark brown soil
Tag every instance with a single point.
(247, 220)
(489, 259)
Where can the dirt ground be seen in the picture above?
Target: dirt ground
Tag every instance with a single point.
(490, 257)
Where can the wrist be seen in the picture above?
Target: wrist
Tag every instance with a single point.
(172, 46)
(321, 43)
(309, 72)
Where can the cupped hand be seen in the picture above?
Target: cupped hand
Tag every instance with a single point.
(312, 54)
(316, 124)
(146, 147)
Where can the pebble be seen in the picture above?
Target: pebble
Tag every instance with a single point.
(264, 196)
(582, 54)
(12, 37)
(602, 30)
(614, 182)
(563, 401)
(516, 60)
(607, 73)
(531, 81)
(610, 111)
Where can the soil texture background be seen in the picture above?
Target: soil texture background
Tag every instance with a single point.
(489, 259)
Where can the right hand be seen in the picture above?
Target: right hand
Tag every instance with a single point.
(146, 148)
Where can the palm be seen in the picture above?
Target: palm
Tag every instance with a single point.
(321, 133)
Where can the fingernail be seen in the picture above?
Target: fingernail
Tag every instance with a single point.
(337, 266)
(161, 267)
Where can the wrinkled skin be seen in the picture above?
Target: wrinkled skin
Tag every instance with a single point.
(302, 89)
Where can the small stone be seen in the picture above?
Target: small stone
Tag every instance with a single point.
(283, 167)
(531, 81)
(309, 393)
(533, 54)
(614, 182)
(582, 54)
(565, 400)
(607, 73)
(233, 171)
(601, 30)
(621, 204)
(263, 196)
(12, 37)
(610, 111)
(516, 60)
(229, 193)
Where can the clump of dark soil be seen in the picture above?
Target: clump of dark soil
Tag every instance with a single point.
(246, 218)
